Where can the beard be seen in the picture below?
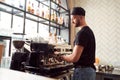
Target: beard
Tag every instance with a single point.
(77, 24)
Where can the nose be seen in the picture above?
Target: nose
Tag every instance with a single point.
(73, 22)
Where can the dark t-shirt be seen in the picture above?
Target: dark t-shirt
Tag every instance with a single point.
(85, 38)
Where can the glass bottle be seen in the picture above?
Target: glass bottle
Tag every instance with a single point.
(20, 4)
(58, 6)
(42, 11)
(29, 7)
(52, 16)
(38, 10)
(32, 9)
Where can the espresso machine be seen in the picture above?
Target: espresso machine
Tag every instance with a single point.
(43, 61)
(19, 57)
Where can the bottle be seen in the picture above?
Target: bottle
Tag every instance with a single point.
(32, 9)
(2, 0)
(60, 21)
(66, 21)
(58, 39)
(50, 38)
(46, 14)
(38, 10)
(55, 38)
(56, 19)
(42, 11)
(52, 16)
(29, 7)
(20, 4)
(59, 3)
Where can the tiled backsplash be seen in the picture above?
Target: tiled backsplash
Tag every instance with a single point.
(103, 16)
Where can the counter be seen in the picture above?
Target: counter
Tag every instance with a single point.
(113, 75)
(7, 74)
(114, 72)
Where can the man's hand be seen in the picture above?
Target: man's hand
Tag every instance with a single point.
(59, 57)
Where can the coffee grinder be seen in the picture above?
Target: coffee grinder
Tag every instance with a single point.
(19, 56)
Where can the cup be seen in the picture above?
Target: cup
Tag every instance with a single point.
(2, 46)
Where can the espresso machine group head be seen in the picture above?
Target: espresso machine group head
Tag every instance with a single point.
(40, 52)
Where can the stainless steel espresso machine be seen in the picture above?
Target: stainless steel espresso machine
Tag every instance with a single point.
(43, 61)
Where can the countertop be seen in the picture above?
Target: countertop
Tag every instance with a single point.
(115, 72)
(7, 74)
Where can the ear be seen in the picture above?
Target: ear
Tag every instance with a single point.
(80, 17)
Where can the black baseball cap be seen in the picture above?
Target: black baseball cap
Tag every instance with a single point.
(78, 11)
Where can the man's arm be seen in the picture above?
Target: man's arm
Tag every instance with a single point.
(74, 57)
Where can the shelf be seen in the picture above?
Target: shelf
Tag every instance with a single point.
(54, 15)
(5, 37)
(19, 12)
(59, 6)
(44, 21)
(47, 4)
(9, 9)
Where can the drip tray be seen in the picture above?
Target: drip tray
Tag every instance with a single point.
(50, 70)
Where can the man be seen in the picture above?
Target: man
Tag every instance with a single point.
(83, 55)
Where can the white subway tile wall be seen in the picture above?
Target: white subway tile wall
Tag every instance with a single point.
(104, 19)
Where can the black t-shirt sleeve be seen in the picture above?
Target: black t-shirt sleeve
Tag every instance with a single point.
(81, 39)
